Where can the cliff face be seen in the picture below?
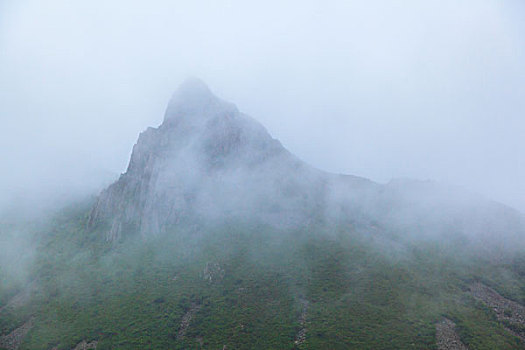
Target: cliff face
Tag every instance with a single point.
(207, 161)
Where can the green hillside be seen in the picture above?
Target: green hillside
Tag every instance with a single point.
(242, 286)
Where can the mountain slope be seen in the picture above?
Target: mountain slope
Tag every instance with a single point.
(208, 162)
(217, 237)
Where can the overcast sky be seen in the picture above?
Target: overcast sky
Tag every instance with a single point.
(380, 89)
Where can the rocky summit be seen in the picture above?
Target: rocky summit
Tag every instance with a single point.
(208, 161)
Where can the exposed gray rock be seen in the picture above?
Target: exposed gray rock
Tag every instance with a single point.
(84, 345)
(209, 162)
(213, 272)
(300, 337)
(506, 310)
(446, 336)
(186, 320)
(13, 340)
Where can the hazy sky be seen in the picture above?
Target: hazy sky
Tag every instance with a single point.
(381, 89)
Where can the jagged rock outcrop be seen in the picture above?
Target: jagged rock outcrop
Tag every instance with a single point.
(209, 163)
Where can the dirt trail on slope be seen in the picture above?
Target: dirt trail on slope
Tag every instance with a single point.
(507, 311)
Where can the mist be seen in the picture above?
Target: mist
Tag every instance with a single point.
(340, 174)
(380, 90)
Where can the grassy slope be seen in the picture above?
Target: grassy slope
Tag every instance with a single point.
(134, 294)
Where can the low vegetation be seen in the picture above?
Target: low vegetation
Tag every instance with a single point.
(246, 286)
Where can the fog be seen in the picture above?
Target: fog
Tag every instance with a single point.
(381, 89)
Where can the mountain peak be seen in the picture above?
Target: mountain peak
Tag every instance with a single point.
(194, 87)
(196, 165)
(194, 99)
